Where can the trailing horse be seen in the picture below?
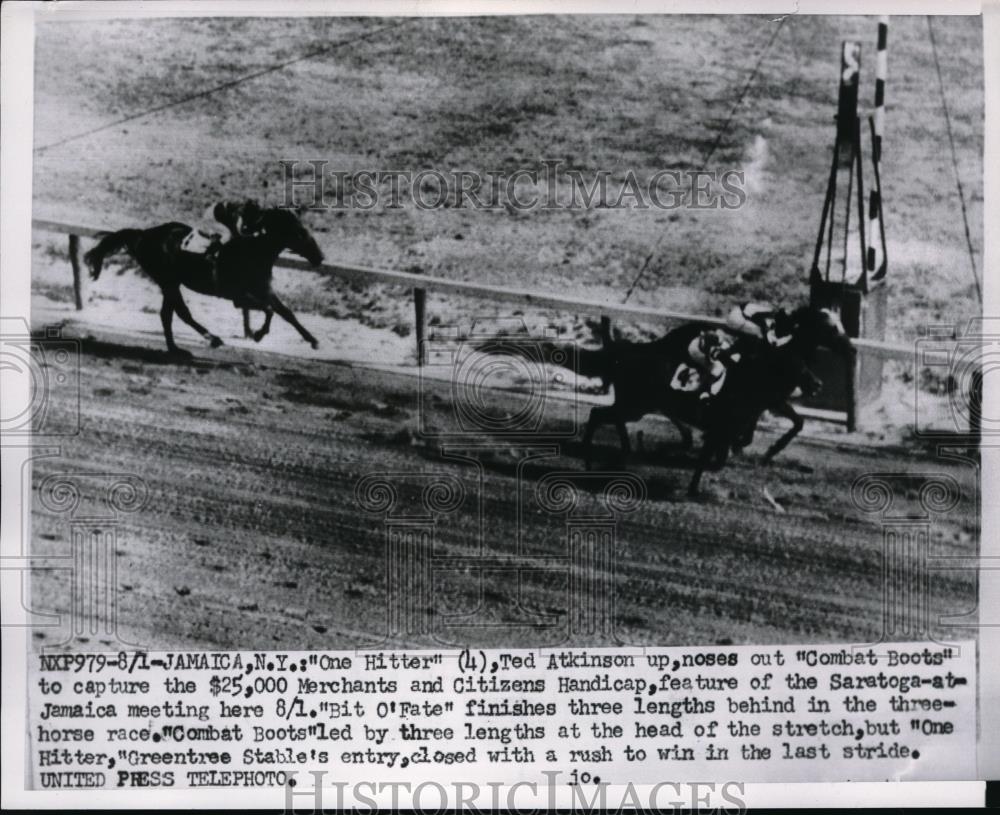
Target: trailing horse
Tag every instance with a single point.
(242, 272)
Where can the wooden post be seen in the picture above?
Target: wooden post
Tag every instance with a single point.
(74, 259)
(852, 394)
(605, 329)
(419, 315)
(606, 342)
(976, 411)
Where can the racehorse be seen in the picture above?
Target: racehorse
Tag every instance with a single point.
(241, 272)
(764, 378)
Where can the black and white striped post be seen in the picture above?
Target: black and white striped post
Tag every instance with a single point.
(881, 65)
(876, 260)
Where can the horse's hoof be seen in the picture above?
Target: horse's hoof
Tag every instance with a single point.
(214, 341)
(314, 344)
(257, 336)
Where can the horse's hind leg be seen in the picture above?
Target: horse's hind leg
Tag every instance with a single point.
(185, 314)
(257, 336)
(687, 439)
(623, 438)
(167, 319)
(721, 456)
(599, 416)
(286, 314)
(266, 327)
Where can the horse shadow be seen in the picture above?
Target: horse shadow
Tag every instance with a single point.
(660, 467)
(103, 349)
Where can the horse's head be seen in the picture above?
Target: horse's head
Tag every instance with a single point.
(821, 327)
(287, 230)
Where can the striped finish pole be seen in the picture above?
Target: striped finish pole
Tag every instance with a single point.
(881, 63)
(876, 247)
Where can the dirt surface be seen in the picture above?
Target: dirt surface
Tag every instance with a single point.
(252, 535)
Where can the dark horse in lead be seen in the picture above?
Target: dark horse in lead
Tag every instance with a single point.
(242, 272)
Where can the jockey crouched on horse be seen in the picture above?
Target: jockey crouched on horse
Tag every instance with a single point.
(762, 321)
(221, 222)
(713, 351)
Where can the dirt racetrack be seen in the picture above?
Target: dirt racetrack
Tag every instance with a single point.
(251, 535)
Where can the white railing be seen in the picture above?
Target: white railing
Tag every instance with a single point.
(421, 284)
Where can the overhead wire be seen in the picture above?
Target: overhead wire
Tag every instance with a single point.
(718, 139)
(232, 83)
(954, 162)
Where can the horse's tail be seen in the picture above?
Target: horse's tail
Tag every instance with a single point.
(109, 244)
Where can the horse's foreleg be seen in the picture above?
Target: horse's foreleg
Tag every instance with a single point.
(184, 313)
(787, 411)
(266, 327)
(708, 455)
(247, 333)
(286, 314)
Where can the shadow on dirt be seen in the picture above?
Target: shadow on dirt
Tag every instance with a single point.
(153, 356)
(667, 482)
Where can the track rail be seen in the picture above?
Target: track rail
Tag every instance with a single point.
(421, 284)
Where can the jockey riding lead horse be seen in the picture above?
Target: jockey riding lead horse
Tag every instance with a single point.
(238, 269)
(221, 222)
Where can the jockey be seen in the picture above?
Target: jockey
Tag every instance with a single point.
(762, 321)
(221, 222)
(236, 217)
(711, 353)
